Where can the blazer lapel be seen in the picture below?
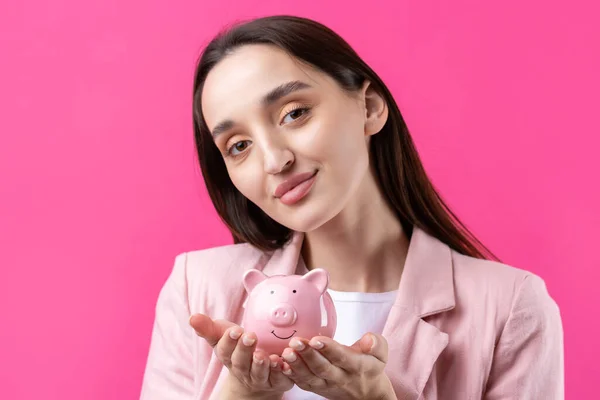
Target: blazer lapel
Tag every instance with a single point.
(287, 260)
(426, 288)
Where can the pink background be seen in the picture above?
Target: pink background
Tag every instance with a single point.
(99, 187)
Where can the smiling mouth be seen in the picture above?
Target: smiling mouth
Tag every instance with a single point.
(284, 338)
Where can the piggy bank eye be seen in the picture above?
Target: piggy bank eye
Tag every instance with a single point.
(294, 290)
(272, 291)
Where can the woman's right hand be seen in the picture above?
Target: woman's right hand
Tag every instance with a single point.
(253, 374)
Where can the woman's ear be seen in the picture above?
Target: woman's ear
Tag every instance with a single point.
(376, 109)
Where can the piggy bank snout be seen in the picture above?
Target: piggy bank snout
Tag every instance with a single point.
(283, 315)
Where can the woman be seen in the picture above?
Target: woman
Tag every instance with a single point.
(308, 161)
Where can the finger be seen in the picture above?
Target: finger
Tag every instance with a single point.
(375, 345)
(259, 370)
(227, 344)
(276, 361)
(276, 376)
(299, 372)
(348, 359)
(210, 330)
(316, 362)
(241, 359)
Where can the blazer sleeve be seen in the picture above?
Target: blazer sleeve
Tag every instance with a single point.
(528, 360)
(169, 372)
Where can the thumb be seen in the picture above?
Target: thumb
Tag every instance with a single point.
(375, 345)
(210, 330)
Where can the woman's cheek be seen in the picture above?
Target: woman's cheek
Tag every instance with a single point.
(318, 139)
(248, 183)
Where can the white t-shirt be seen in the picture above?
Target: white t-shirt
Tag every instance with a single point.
(357, 314)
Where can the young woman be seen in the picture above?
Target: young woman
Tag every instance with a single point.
(308, 161)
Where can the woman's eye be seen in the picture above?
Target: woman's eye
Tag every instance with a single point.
(294, 114)
(238, 147)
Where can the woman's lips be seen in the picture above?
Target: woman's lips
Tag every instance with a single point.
(294, 189)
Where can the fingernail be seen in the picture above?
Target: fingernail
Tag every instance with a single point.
(316, 345)
(297, 345)
(286, 371)
(234, 334)
(259, 361)
(248, 341)
(273, 364)
(374, 342)
(290, 357)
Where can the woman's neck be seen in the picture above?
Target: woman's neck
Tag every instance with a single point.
(363, 248)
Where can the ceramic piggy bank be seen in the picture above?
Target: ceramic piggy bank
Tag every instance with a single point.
(283, 306)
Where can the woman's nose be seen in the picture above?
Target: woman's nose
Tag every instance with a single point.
(277, 158)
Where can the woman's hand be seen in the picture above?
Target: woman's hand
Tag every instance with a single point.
(252, 374)
(335, 371)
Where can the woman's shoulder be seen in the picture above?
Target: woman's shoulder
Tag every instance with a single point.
(222, 258)
(208, 280)
(501, 286)
(481, 274)
(226, 263)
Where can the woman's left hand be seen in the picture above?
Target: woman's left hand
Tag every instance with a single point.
(335, 371)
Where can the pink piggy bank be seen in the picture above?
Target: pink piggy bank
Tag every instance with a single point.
(281, 307)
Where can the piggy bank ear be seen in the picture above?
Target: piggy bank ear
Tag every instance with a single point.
(252, 278)
(318, 277)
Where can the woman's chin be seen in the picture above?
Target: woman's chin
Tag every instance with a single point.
(307, 218)
(302, 224)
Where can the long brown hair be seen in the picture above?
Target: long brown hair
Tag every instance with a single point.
(399, 171)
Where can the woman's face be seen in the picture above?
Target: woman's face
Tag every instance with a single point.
(294, 143)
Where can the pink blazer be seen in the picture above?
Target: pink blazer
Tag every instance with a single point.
(460, 328)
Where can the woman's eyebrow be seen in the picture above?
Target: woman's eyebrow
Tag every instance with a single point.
(271, 97)
(283, 90)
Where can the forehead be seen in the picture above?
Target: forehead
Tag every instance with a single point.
(241, 79)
